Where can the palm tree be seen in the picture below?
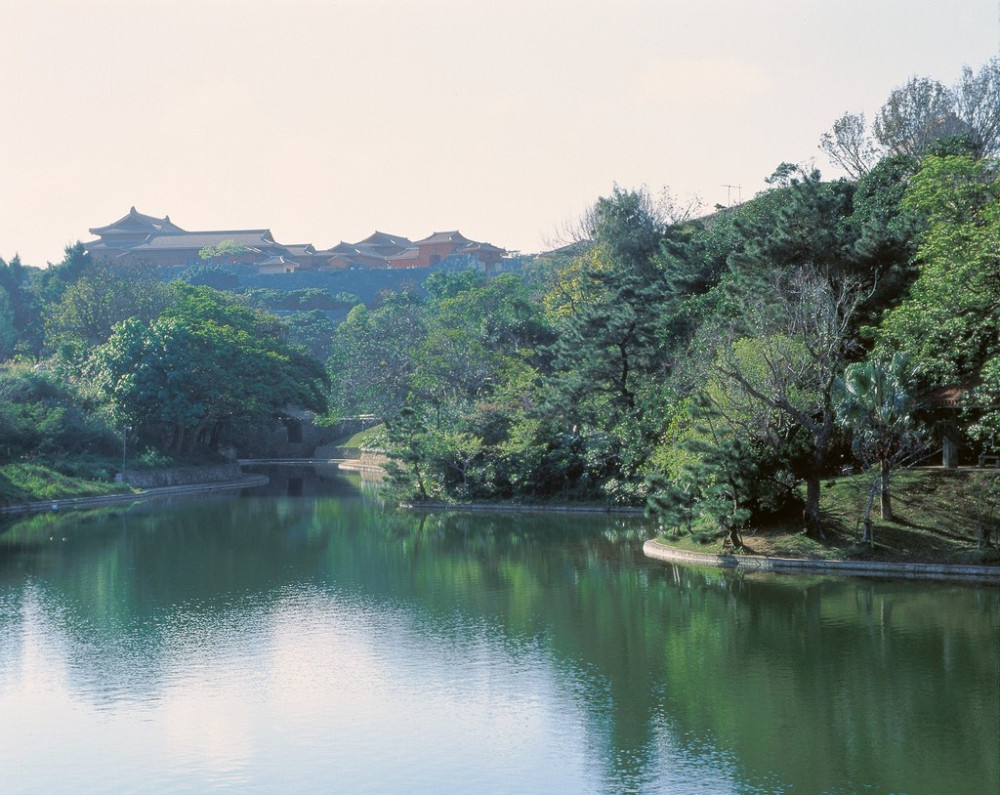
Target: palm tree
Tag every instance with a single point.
(874, 403)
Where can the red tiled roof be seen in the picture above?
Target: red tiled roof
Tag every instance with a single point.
(136, 223)
(251, 238)
(384, 239)
(445, 237)
(474, 247)
(410, 253)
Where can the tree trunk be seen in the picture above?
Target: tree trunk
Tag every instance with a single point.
(821, 432)
(948, 458)
(868, 528)
(420, 480)
(885, 501)
(734, 538)
(734, 533)
(810, 516)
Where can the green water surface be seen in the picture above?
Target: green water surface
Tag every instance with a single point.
(266, 643)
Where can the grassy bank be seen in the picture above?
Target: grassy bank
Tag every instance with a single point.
(936, 519)
(33, 482)
(937, 515)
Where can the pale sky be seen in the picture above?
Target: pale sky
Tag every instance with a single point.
(324, 120)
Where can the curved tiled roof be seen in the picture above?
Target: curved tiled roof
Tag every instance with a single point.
(136, 223)
(385, 239)
(445, 237)
(251, 238)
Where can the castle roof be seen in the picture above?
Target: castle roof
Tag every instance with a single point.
(250, 238)
(136, 233)
(410, 253)
(445, 237)
(484, 248)
(381, 239)
(276, 260)
(137, 224)
(343, 248)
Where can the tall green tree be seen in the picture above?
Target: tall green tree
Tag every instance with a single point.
(792, 295)
(8, 331)
(89, 308)
(610, 359)
(798, 330)
(715, 471)
(18, 281)
(312, 329)
(949, 323)
(374, 356)
(803, 222)
(885, 232)
(204, 370)
(54, 280)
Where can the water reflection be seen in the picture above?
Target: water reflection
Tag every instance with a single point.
(527, 652)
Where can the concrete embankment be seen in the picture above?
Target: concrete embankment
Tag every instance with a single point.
(181, 476)
(489, 507)
(366, 461)
(854, 568)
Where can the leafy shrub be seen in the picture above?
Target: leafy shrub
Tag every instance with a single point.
(43, 416)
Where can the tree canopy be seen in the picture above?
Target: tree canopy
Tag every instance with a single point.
(207, 366)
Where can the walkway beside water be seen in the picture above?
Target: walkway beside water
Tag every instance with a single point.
(855, 568)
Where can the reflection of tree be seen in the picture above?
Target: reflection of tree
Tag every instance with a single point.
(771, 669)
(118, 582)
(804, 681)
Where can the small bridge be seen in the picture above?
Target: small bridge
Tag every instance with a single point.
(332, 455)
(300, 461)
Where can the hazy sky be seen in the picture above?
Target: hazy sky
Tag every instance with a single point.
(325, 120)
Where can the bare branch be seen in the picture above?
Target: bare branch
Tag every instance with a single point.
(849, 146)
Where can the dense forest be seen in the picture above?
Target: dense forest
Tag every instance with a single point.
(715, 368)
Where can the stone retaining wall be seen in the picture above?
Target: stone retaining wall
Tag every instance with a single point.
(857, 568)
(367, 461)
(183, 476)
(503, 507)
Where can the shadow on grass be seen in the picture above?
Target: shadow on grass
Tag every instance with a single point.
(9, 492)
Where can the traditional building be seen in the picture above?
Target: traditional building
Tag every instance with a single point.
(486, 253)
(368, 253)
(440, 246)
(138, 237)
(144, 238)
(385, 244)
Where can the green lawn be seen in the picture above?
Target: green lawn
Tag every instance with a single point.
(33, 482)
(936, 518)
(361, 438)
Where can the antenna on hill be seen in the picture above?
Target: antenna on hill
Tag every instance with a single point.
(729, 194)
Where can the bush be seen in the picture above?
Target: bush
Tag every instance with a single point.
(43, 417)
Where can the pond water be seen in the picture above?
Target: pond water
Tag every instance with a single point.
(273, 643)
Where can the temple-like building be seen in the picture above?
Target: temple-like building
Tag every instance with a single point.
(438, 247)
(144, 238)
